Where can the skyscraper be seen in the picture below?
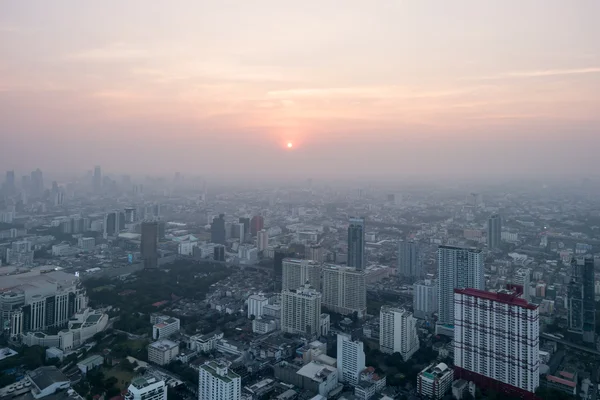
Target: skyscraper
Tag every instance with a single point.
(97, 183)
(217, 230)
(216, 381)
(262, 239)
(356, 243)
(246, 222)
(409, 265)
(301, 311)
(496, 341)
(9, 184)
(149, 245)
(297, 272)
(37, 183)
(494, 232)
(398, 332)
(458, 268)
(581, 298)
(112, 224)
(257, 223)
(350, 359)
(522, 277)
(344, 290)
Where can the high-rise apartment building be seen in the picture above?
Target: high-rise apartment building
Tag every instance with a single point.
(256, 302)
(37, 183)
(496, 341)
(112, 224)
(494, 232)
(344, 290)
(217, 230)
(297, 272)
(409, 264)
(216, 381)
(149, 244)
(147, 388)
(257, 223)
(458, 268)
(425, 298)
(522, 277)
(581, 299)
(301, 311)
(398, 332)
(356, 243)
(350, 359)
(262, 239)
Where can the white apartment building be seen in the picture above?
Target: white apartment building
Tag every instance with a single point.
(165, 328)
(522, 277)
(301, 311)
(218, 382)
(435, 381)
(497, 336)
(344, 290)
(86, 243)
(147, 388)
(265, 325)
(398, 332)
(262, 240)
(458, 268)
(297, 272)
(256, 302)
(425, 301)
(162, 352)
(350, 359)
(205, 343)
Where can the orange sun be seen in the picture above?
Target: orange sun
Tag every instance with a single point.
(290, 145)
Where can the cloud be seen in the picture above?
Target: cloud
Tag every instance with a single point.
(539, 73)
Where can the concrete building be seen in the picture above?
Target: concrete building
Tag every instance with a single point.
(356, 243)
(344, 290)
(435, 381)
(494, 231)
(581, 299)
(522, 277)
(409, 263)
(262, 239)
(297, 272)
(301, 311)
(256, 302)
(496, 341)
(86, 243)
(90, 363)
(46, 381)
(149, 244)
(458, 268)
(162, 352)
(425, 301)
(350, 359)
(147, 388)
(323, 378)
(315, 252)
(165, 328)
(398, 332)
(218, 234)
(218, 382)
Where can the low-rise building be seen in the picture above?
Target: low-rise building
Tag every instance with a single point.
(435, 381)
(162, 352)
(90, 363)
(165, 328)
(147, 388)
(47, 381)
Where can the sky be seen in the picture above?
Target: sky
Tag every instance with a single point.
(462, 88)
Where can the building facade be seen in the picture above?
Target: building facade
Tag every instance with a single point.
(494, 231)
(297, 272)
(398, 332)
(496, 341)
(149, 245)
(256, 302)
(435, 381)
(301, 311)
(262, 240)
(356, 243)
(216, 381)
(581, 299)
(350, 359)
(162, 352)
(344, 290)
(409, 263)
(425, 301)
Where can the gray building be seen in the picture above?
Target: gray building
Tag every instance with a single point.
(356, 243)
(425, 301)
(409, 264)
(494, 231)
(582, 306)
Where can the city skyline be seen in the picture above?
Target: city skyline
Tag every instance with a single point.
(406, 88)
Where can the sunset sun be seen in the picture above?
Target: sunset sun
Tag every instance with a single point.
(290, 145)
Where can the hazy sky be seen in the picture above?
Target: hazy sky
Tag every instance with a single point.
(390, 87)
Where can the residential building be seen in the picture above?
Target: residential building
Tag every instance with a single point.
(257, 223)
(409, 263)
(301, 311)
(218, 233)
(262, 239)
(218, 382)
(86, 243)
(494, 231)
(496, 341)
(147, 387)
(319, 378)
(581, 299)
(165, 328)
(435, 381)
(149, 245)
(350, 359)
(315, 252)
(356, 243)
(219, 253)
(162, 352)
(369, 385)
(425, 301)
(112, 224)
(263, 325)
(398, 332)
(522, 277)
(256, 302)
(344, 290)
(297, 272)
(458, 268)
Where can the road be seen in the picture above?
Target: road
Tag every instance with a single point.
(571, 345)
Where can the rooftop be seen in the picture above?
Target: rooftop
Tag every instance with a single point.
(219, 370)
(44, 377)
(163, 345)
(510, 298)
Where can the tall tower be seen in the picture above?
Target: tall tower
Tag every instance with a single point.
(149, 246)
(301, 311)
(217, 230)
(581, 298)
(496, 341)
(262, 239)
(257, 223)
(408, 259)
(297, 272)
(458, 268)
(398, 332)
(350, 359)
(494, 231)
(344, 290)
(356, 243)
